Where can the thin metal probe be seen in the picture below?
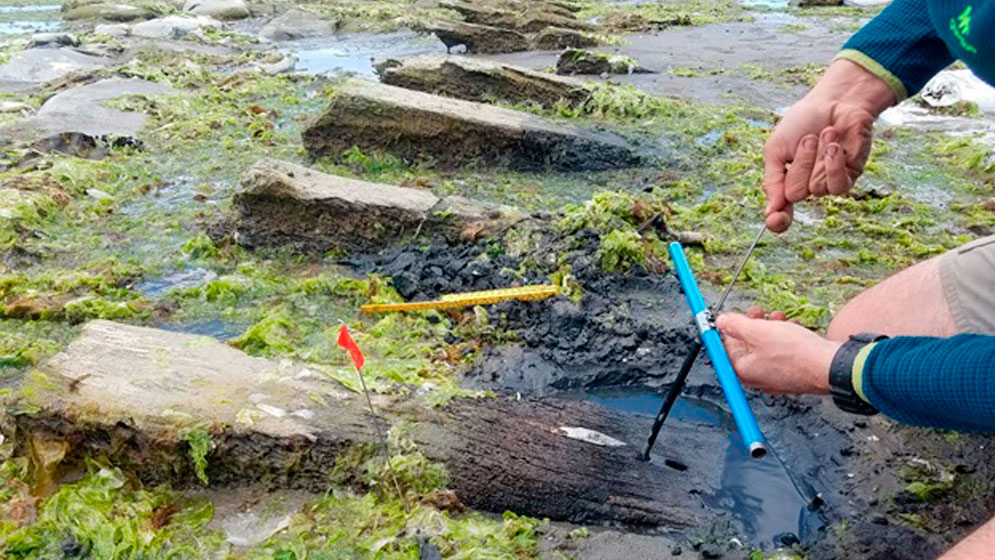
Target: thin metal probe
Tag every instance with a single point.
(739, 270)
(693, 351)
(383, 440)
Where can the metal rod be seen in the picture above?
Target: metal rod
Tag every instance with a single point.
(383, 439)
(739, 269)
(668, 403)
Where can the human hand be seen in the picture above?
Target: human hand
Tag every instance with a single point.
(822, 143)
(777, 356)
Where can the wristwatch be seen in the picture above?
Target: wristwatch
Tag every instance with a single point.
(841, 375)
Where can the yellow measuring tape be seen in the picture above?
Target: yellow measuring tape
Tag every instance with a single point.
(450, 301)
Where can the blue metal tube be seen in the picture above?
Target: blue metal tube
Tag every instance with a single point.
(746, 423)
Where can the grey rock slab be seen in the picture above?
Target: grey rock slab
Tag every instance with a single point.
(479, 39)
(81, 110)
(53, 40)
(454, 133)
(33, 67)
(112, 29)
(474, 79)
(296, 23)
(219, 9)
(110, 12)
(282, 203)
(172, 27)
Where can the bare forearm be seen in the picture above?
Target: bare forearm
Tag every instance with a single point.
(977, 546)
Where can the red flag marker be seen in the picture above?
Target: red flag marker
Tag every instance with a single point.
(346, 341)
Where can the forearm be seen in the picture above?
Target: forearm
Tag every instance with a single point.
(979, 544)
(900, 46)
(937, 382)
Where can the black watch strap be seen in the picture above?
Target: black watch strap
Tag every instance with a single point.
(841, 375)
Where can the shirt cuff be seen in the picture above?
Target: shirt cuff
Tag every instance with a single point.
(872, 66)
(857, 373)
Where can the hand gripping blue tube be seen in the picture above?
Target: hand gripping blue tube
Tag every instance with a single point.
(746, 423)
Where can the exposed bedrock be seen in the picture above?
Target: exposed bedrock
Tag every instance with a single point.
(481, 80)
(283, 204)
(453, 133)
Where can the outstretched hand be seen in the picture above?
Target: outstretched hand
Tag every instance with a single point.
(777, 356)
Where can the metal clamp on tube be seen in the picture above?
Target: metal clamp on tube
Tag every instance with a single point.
(746, 423)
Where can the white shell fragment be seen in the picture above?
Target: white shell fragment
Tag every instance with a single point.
(271, 410)
(590, 436)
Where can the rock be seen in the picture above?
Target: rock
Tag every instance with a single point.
(296, 23)
(578, 61)
(528, 20)
(113, 29)
(814, 3)
(479, 39)
(33, 67)
(16, 107)
(172, 27)
(474, 79)
(130, 393)
(455, 133)
(218, 9)
(285, 64)
(53, 40)
(285, 204)
(81, 110)
(557, 38)
(109, 11)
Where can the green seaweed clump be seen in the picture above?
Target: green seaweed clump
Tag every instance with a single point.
(200, 444)
(620, 250)
(103, 516)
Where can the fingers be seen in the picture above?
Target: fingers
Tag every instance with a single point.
(733, 325)
(817, 183)
(755, 312)
(778, 210)
(837, 179)
(796, 181)
(779, 222)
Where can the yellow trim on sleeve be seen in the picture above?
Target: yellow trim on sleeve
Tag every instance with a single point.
(875, 68)
(857, 373)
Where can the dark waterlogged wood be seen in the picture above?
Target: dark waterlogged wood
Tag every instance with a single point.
(131, 394)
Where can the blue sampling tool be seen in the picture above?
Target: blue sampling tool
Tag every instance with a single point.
(708, 336)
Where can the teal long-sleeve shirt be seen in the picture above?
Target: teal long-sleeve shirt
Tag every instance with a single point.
(911, 40)
(937, 382)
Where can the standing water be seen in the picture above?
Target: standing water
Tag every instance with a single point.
(760, 494)
(357, 53)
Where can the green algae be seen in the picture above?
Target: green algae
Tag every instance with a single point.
(106, 516)
(201, 444)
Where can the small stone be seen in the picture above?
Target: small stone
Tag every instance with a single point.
(989, 205)
(108, 11)
(113, 29)
(172, 27)
(676, 551)
(15, 107)
(98, 194)
(53, 40)
(786, 539)
(219, 9)
(295, 24)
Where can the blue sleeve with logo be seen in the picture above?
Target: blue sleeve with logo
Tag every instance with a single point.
(901, 46)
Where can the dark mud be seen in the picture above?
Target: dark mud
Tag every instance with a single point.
(632, 331)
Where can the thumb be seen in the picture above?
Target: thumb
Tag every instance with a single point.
(733, 325)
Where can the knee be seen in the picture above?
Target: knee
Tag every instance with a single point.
(842, 325)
